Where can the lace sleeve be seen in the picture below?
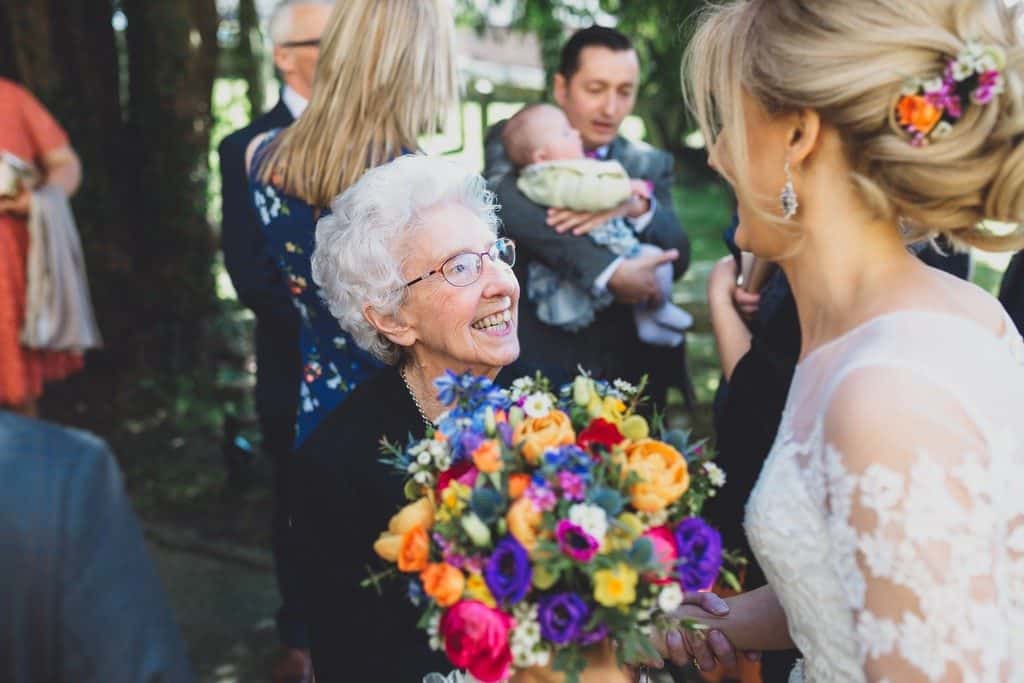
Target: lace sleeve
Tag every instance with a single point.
(926, 522)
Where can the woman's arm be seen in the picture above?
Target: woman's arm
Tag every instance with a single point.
(731, 334)
(61, 168)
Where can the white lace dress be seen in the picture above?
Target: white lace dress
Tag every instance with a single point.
(889, 516)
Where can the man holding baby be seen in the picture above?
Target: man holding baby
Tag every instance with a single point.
(598, 240)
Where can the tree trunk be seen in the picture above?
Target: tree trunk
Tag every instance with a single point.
(250, 49)
(140, 209)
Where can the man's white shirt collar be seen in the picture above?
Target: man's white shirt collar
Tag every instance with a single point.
(295, 102)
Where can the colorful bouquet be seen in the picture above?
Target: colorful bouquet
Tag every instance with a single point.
(544, 523)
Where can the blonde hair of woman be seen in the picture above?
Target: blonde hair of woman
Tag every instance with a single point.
(386, 74)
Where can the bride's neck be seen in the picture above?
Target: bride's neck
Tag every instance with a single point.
(845, 271)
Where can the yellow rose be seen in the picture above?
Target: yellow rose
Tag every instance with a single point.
(662, 471)
(523, 521)
(414, 515)
(419, 513)
(615, 587)
(537, 434)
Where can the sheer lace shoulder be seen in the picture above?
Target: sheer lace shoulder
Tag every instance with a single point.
(925, 510)
(889, 516)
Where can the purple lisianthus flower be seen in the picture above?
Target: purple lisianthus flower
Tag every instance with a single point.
(983, 95)
(508, 572)
(593, 636)
(700, 553)
(572, 485)
(575, 542)
(562, 617)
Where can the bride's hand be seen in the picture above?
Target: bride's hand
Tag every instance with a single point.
(703, 648)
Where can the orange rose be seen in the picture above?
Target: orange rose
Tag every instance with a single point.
(418, 514)
(918, 112)
(487, 457)
(414, 550)
(537, 434)
(517, 485)
(523, 521)
(663, 475)
(444, 583)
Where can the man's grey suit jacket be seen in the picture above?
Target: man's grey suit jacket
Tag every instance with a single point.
(79, 598)
(609, 346)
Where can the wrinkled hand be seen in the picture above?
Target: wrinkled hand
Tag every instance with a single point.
(703, 648)
(16, 206)
(633, 281)
(582, 222)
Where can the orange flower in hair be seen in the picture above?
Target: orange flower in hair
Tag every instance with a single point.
(916, 111)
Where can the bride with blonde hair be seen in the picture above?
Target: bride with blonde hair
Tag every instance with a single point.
(889, 516)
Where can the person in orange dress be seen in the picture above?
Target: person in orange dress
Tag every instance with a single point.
(28, 131)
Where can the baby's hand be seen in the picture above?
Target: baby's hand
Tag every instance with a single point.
(641, 188)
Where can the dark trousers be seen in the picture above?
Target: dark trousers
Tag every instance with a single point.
(278, 436)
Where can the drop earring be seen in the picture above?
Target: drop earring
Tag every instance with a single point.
(788, 199)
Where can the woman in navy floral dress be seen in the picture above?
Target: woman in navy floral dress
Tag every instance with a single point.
(364, 111)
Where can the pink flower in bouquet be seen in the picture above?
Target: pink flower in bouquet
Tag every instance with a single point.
(572, 485)
(476, 638)
(575, 542)
(665, 552)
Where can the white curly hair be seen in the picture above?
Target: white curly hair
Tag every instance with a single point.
(362, 244)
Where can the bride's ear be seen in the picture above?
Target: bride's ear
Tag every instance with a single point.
(391, 327)
(804, 136)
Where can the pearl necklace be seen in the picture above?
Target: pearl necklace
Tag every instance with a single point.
(412, 394)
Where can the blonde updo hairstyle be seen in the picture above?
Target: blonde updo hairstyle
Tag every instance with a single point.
(848, 61)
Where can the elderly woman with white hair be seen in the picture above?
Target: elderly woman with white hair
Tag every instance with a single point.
(411, 266)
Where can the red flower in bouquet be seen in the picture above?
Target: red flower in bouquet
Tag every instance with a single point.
(599, 432)
(476, 638)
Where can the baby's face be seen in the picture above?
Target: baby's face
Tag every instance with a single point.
(558, 140)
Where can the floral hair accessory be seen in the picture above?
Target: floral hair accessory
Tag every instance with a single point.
(928, 108)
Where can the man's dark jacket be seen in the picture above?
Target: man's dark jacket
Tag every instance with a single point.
(256, 277)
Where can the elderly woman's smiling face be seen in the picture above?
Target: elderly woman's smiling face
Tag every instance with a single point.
(472, 327)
